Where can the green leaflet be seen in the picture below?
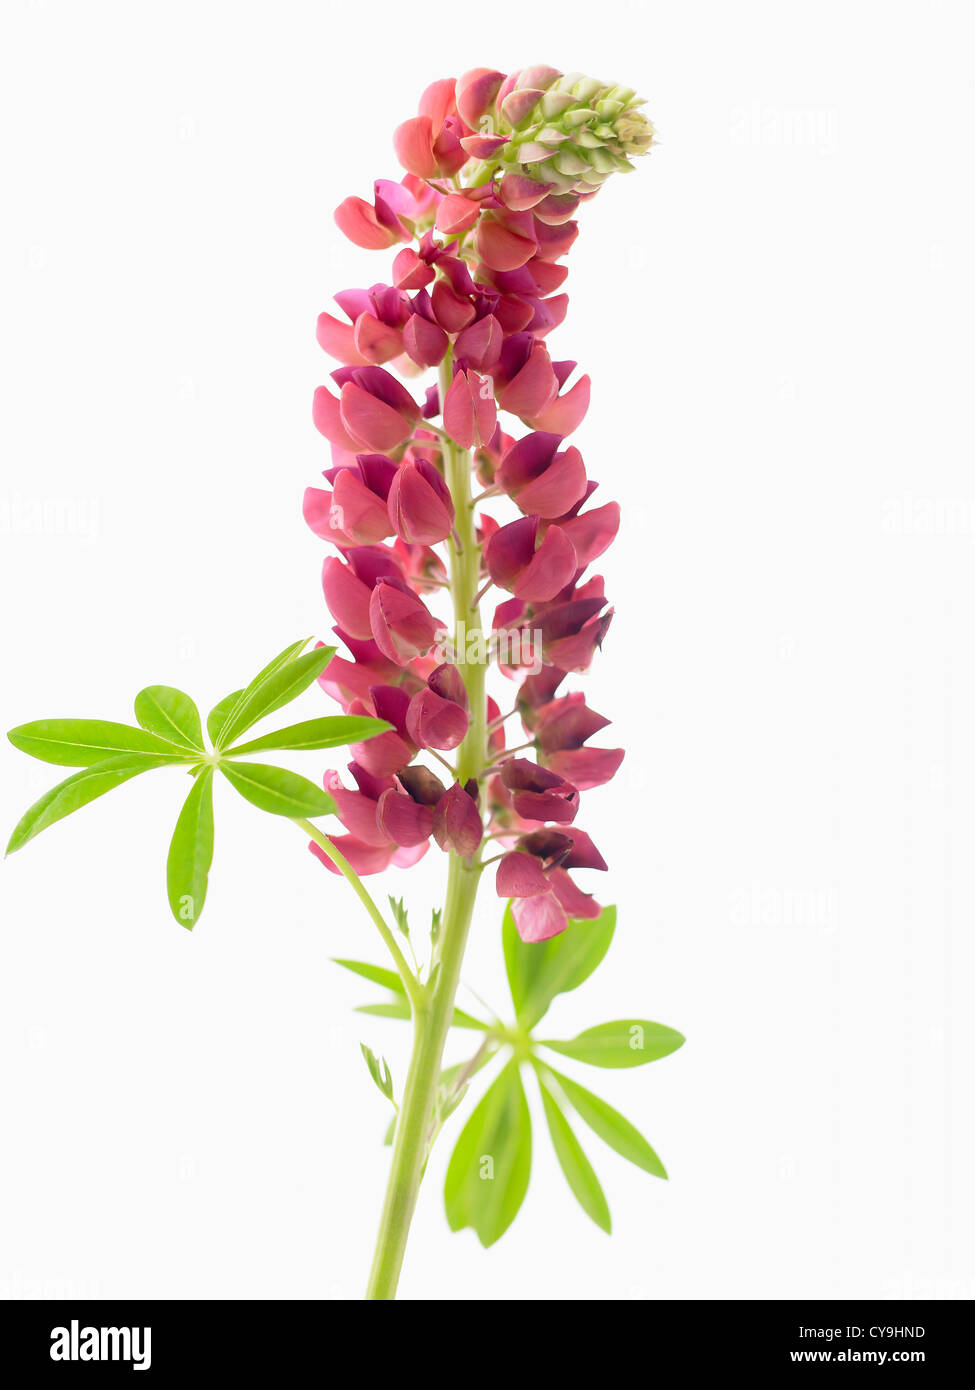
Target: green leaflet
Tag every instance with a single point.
(626, 1042)
(279, 683)
(488, 1173)
(83, 742)
(575, 1165)
(401, 1009)
(218, 715)
(538, 971)
(277, 790)
(398, 908)
(191, 852)
(333, 731)
(171, 714)
(379, 975)
(76, 791)
(379, 1071)
(613, 1128)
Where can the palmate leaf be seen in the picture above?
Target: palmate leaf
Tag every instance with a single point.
(84, 742)
(332, 731)
(613, 1128)
(626, 1042)
(191, 852)
(277, 790)
(169, 733)
(488, 1173)
(76, 791)
(575, 1165)
(539, 970)
(171, 714)
(280, 682)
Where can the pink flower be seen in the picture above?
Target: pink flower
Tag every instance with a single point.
(405, 811)
(562, 728)
(419, 506)
(534, 875)
(401, 624)
(389, 218)
(532, 569)
(374, 332)
(539, 478)
(373, 412)
(355, 511)
(437, 716)
(470, 415)
(457, 821)
(537, 794)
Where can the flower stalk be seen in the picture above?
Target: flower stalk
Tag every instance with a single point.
(431, 1020)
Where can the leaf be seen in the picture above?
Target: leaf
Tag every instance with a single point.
(334, 731)
(378, 974)
(626, 1042)
(218, 715)
(390, 1134)
(276, 790)
(171, 714)
(539, 970)
(398, 908)
(488, 1173)
(575, 1165)
(83, 742)
(391, 1010)
(379, 1071)
(191, 852)
(280, 682)
(397, 1009)
(613, 1128)
(76, 791)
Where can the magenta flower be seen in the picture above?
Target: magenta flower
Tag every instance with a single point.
(373, 411)
(539, 478)
(419, 505)
(535, 875)
(457, 825)
(470, 415)
(532, 568)
(355, 512)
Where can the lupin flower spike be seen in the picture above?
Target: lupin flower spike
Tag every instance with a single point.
(436, 492)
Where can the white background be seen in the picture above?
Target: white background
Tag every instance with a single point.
(777, 314)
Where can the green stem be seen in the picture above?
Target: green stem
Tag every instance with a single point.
(431, 1022)
(412, 986)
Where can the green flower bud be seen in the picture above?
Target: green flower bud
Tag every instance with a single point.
(577, 133)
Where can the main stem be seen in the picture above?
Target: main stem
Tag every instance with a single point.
(432, 1016)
